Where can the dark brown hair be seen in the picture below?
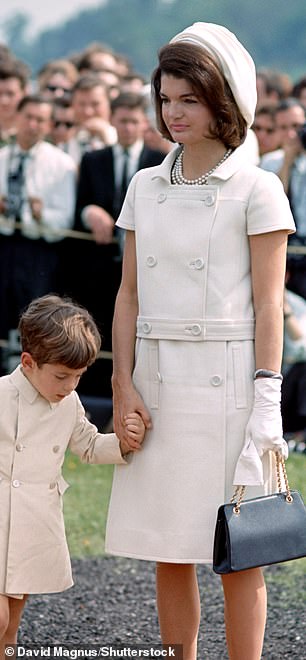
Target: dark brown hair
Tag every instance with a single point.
(15, 69)
(62, 66)
(88, 82)
(36, 99)
(194, 64)
(55, 330)
(130, 100)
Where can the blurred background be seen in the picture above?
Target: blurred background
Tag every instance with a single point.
(274, 31)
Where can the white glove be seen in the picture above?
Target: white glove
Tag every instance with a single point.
(263, 432)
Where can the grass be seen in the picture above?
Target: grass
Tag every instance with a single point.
(86, 502)
(85, 505)
(296, 470)
(292, 576)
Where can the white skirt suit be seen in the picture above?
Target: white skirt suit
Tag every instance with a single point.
(194, 356)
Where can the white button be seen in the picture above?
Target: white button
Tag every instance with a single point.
(161, 198)
(151, 261)
(56, 448)
(196, 329)
(199, 263)
(146, 327)
(16, 483)
(19, 447)
(216, 380)
(209, 200)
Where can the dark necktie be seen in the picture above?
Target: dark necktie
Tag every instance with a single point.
(124, 177)
(15, 189)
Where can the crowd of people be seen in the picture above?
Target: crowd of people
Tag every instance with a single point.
(71, 139)
(281, 133)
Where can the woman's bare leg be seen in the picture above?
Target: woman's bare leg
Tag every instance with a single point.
(178, 604)
(245, 609)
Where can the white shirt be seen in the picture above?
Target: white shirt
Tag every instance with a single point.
(83, 142)
(273, 162)
(133, 162)
(295, 349)
(49, 175)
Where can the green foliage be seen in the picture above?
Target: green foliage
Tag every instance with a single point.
(273, 31)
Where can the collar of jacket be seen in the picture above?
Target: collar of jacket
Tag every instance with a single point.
(26, 389)
(234, 163)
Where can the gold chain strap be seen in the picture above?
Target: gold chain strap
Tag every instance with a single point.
(280, 464)
(240, 490)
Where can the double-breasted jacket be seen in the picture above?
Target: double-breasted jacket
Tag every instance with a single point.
(34, 436)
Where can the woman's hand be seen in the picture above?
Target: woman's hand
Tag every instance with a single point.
(127, 399)
(263, 433)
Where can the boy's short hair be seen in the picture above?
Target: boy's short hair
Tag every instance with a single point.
(56, 330)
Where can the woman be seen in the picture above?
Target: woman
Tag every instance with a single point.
(204, 256)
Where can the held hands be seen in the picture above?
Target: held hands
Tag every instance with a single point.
(135, 432)
(126, 398)
(263, 433)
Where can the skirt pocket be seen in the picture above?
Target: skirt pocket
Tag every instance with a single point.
(239, 375)
(146, 376)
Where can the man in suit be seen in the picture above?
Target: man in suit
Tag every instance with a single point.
(37, 190)
(104, 176)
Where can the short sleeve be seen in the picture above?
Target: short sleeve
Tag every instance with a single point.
(126, 219)
(268, 207)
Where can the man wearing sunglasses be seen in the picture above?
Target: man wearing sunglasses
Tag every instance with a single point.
(62, 123)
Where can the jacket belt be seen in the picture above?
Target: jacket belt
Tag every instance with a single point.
(195, 329)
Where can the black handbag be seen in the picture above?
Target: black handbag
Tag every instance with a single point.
(260, 531)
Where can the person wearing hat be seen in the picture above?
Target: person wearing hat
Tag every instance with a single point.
(198, 335)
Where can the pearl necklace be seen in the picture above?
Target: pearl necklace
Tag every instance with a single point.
(177, 171)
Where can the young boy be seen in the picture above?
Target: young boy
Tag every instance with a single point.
(40, 417)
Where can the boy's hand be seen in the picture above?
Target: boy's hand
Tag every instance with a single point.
(135, 433)
(135, 427)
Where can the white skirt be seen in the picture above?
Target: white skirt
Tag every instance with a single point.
(163, 505)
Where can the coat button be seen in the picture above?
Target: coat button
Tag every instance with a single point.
(52, 484)
(19, 447)
(209, 200)
(161, 198)
(16, 483)
(196, 329)
(151, 261)
(146, 328)
(216, 380)
(56, 448)
(199, 263)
